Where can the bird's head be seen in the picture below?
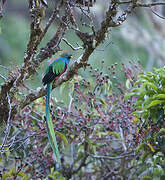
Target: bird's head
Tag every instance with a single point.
(67, 55)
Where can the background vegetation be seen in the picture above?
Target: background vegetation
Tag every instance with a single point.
(109, 117)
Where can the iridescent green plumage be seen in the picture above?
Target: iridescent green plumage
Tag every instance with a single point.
(49, 125)
(56, 69)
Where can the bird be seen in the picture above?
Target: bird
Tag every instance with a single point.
(53, 72)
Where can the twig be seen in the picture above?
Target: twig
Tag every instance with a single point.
(70, 102)
(124, 2)
(149, 4)
(122, 139)
(50, 21)
(19, 145)
(90, 19)
(3, 77)
(71, 16)
(70, 45)
(34, 118)
(4, 67)
(22, 141)
(162, 17)
(111, 42)
(137, 4)
(111, 158)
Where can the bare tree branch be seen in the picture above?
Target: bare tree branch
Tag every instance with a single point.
(112, 158)
(3, 77)
(70, 45)
(157, 14)
(149, 4)
(91, 41)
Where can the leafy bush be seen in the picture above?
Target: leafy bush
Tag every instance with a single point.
(150, 112)
(95, 130)
(100, 133)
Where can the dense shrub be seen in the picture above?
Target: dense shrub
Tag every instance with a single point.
(101, 133)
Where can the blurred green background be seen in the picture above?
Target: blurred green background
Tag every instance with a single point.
(140, 38)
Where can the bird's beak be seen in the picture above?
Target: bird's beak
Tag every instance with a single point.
(70, 57)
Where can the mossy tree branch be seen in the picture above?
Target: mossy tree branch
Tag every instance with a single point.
(34, 56)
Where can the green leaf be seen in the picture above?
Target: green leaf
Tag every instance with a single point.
(55, 174)
(62, 137)
(7, 153)
(21, 174)
(161, 132)
(100, 134)
(129, 95)
(140, 147)
(80, 156)
(155, 102)
(115, 134)
(50, 176)
(161, 96)
(151, 85)
(64, 86)
(141, 81)
(138, 112)
(151, 147)
(91, 144)
(9, 174)
(145, 155)
(143, 76)
(46, 148)
(52, 170)
(108, 87)
(11, 171)
(146, 178)
(102, 102)
(128, 84)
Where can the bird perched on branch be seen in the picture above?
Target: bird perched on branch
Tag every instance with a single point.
(55, 70)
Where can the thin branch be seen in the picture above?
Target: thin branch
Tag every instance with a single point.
(111, 158)
(111, 42)
(71, 16)
(70, 102)
(50, 21)
(70, 45)
(3, 77)
(124, 2)
(150, 4)
(3, 67)
(162, 17)
(122, 139)
(138, 4)
(90, 19)
(13, 140)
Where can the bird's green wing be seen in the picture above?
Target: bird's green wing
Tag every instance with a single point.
(58, 66)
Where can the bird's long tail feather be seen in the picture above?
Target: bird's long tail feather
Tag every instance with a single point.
(49, 126)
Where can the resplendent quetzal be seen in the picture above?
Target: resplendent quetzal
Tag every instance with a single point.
(55, 70)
